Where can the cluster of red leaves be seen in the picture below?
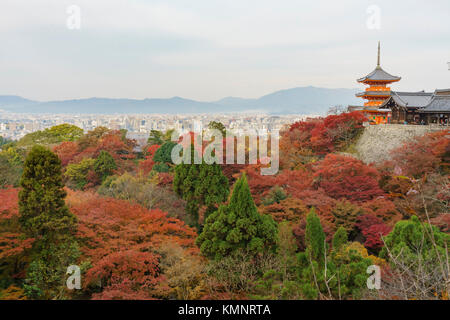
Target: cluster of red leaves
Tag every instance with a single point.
(424, 155)
(12, 240)
(305, 139)
(294, 182)
(346, 177)
(128, 274)
(372, 228)
(112, 141)
(145, 166)
(119, 238)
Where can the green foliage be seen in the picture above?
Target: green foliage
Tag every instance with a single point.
(159, 138)
(46, 274)
(216, 125)
(200, 185)
(237, 226)
(161, 167)
(412, 240)
(4, 141)
(53, 135)
(41, 200)
(339, 239)
(340, 275)
(275, 195)
(315, 237)
(104, 165)
(45, 216)
(77, 173)
(9, 172)
(164, 153)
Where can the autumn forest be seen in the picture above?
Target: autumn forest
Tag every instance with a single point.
(139, 226)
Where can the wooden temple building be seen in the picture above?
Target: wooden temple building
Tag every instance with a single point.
(384, 106)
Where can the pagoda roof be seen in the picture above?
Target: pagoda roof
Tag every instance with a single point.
(379, 75)
(374, 93)
(409, 99)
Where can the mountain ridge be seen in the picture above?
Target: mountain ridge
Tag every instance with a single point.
(301, 100)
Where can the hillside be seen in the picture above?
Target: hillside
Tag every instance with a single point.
(302, 100)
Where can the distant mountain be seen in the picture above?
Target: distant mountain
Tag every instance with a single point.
(304, 100)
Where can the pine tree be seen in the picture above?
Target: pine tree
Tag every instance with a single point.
(44, 216)
(339, 239)
(315, 237)
(41, 200)
(200, 185)
(237, 226)
(212, 188)
(104, 165)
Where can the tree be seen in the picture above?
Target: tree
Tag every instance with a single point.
(77, 173)
(159, 138)
(425, 154)
(216, 125)
(345, 215)
(419, 261)
(314, 237)
(104, 165)
(341, 274)
(9, 172)
(237, 225)
(53, 135)
(163, 156)
(339, 239)
(200, 185)
(212, 187)
(346, 177)
(45, 216)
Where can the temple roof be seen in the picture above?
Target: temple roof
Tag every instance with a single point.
(439, 103)
(410, 99)
(439, 92)
(379, 75)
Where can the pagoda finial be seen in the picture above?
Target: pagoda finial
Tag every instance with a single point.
(378, 61)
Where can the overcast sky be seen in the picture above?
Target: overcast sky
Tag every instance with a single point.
(210, 49)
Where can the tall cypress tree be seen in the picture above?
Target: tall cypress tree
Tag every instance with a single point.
(200, 185)
(315, 237)
(237, 226)
(44, 216)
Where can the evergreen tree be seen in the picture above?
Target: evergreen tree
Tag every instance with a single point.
(200, 185)
(212, 187)
(41, 200)
(237, 226)
(164, 153)
(44, 216)
(341, 275)
(104, 165)
(339, 239)
(315, 237)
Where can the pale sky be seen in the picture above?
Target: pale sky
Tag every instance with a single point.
(209, 49)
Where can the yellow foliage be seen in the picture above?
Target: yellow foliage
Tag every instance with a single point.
(358, 247)
(12, 293)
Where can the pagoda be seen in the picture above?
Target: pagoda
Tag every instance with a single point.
(377, 92)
